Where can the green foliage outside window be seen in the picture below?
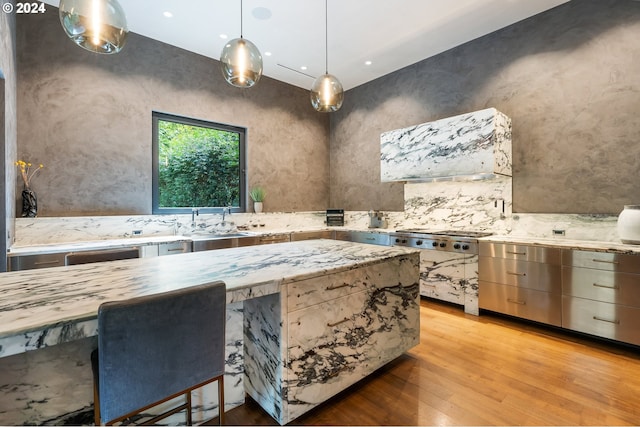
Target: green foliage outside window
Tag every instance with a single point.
(197, 166)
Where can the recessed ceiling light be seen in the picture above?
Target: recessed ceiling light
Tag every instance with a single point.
(367, 62)
(267, 54)
(261, 13)
(223, 36)
(304, 67)
(168, 14)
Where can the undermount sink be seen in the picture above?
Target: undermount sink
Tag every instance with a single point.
(209, 241)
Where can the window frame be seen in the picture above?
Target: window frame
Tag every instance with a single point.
(242, 132)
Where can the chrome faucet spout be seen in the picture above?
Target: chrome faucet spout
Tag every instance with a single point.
(194, 212)
(225, 211)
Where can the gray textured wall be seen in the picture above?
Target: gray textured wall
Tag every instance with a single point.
(8, 128)
(570, 80)
(87, 117)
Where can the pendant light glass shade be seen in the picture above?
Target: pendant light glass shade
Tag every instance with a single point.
(327, 94)
(241, 63)
(96, 25)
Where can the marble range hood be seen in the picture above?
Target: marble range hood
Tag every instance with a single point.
(470, 146)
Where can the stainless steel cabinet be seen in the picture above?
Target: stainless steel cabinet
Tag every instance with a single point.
(601, 294)
(521, 280)
(165, 248)
(364, 237)
(311, 235)
(29, 262)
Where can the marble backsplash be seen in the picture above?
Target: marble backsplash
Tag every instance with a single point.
(484, 205)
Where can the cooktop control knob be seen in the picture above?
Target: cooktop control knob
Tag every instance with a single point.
(465, 247)
(397, 240)
(419, 243)
(443, 244)
(456, 246)
(434, 244)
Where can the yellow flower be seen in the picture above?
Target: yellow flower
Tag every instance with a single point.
(26, 172)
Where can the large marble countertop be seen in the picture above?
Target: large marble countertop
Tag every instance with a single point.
(94, 245)
(49, 306)
(152, 240)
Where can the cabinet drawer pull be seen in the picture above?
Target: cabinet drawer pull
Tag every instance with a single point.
(370, 239)
(331, 288)
(516, 301)
(516, 253)
(331, 325)
(513, 273)
(597, 285)
(175, 250)
(617, 322)
(605, 261)
(57, 261)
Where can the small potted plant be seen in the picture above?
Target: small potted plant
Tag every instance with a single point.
(257, 194)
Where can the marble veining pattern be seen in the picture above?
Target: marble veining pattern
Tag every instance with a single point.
(58, 230)
(270, 267)
(469, 144)
(332, 334)
(37, 300)
(483, 205)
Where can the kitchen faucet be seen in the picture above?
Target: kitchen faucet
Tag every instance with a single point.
(225, 211)
(194, 212)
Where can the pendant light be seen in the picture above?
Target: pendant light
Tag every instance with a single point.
(327, 93)
(241, 61)
(96, 25)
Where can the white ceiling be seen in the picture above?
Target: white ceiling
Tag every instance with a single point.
(390, 33)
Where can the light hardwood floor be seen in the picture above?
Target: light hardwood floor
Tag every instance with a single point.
(486, 370)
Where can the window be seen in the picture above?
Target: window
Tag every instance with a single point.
(197, 164)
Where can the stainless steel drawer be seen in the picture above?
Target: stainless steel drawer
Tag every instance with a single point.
(274, 238)
(29, 262)
(171, 248)
(602, 319)
(311, 235)
(87, 257)
(529, 304)
(600, 285)
(364, 237)
(532, 275)
(520, 252)
(626, 263)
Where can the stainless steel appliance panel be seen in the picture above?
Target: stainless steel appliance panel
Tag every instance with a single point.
(311, 235)
(87, 257)
(171, 248)
(613, 321)
(526, 303)
(29, 262)
(521, 252)
(363, 237)
(532, 275)
(602, 260)
(601, 285)
(274, 238)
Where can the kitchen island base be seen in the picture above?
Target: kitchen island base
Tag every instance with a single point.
(304, 321)
(319, 336)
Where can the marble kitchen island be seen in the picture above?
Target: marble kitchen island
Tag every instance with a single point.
(304, 321)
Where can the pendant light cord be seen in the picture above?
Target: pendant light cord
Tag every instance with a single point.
(241, 31)
(326, 36)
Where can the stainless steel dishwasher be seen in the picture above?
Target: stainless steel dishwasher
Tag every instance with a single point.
(86, 257)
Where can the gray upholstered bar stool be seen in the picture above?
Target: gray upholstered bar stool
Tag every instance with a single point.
(155, 348)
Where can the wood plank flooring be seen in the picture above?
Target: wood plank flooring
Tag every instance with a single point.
(486, 370)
